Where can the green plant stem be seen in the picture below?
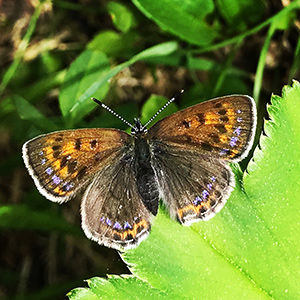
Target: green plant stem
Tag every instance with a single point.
(223, 73)
(22, 47)
(294, 5)
(261, 64)
(296, 62)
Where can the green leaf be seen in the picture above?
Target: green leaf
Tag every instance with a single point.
(239, 13)
(121, 16)
(112, 43)
(201, 64)
(185, 263)
(275, 192)
(116, 287)
(28, 112)
(83, 81)
(174, 59)
(157, 50)
(250, 250)
(82, 294)
(185, 19)
(29, 219)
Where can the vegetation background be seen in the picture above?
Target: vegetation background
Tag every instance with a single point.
(57, 54)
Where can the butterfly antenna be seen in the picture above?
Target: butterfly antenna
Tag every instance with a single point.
(112, 112)
(166, 105)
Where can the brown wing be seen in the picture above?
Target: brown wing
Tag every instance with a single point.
(193, 186)
(223, 127)
(113, 212)
(62, 162)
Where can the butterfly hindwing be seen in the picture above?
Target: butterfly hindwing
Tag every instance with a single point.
(193, 186)
(62, 162)
(223, 127)
(113, 212)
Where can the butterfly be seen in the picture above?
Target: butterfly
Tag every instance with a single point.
(182, 159)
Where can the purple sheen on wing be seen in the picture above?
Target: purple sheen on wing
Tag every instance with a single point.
(239, 111)
(239, 119)
(127, 226)
(209, 186)
(223, 151)
(237, 131)
(49, 171)
(108, 222)
(43, 161)
(205, 194)
(56, 180)
(233, 141)
(213, 178)
(117, 225)
(197, 201)
(68, 185)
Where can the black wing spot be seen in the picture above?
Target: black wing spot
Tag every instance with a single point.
(224, 119)
(72, 165)
(129, 237)
(77, 144)
(221, 128)
(215, 137)
(201, 118)
(63, 161)
(56, 154)
(186, 124)
(93, 143)
(116, 237)
(222, 112)
(218, 105)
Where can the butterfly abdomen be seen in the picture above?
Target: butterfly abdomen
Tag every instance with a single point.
(146, 180)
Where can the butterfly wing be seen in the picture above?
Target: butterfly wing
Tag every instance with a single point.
(60, 163)
(190, 150)
(113, 212)
(193, 186)
(223, 127)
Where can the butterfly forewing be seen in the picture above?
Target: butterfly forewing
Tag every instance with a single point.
(62, 162)
(113, 212)
(222, 127)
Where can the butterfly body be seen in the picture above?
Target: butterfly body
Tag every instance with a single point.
(182, 159)
(145, 176)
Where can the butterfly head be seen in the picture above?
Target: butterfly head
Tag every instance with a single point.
(138, 129)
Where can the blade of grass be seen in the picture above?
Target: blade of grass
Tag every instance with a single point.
(261, 64)
(296, 62)
(22, 47)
